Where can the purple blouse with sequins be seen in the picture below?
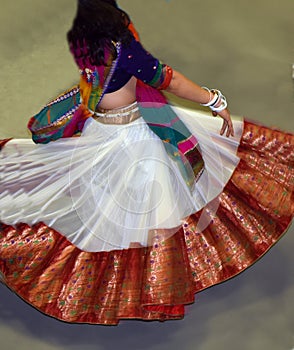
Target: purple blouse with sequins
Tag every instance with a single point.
(135, 61)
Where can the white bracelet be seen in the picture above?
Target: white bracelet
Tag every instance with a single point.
(217, 98)
(211, 100)
(223, 104)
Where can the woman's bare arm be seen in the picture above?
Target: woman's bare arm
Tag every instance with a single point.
(187, 89)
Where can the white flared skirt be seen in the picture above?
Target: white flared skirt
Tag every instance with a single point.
(115, 185)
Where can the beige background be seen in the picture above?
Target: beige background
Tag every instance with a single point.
(244, 49)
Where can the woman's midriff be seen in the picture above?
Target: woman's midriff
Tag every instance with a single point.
(120, 98)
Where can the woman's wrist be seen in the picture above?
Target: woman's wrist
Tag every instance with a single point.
(217, 101)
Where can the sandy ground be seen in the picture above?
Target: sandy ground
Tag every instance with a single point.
(244, 49)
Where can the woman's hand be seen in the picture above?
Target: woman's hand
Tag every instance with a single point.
(227, 126)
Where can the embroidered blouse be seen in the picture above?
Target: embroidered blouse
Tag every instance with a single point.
(134, 60)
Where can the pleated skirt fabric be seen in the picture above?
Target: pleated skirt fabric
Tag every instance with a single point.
(114, 185)
(76, 217)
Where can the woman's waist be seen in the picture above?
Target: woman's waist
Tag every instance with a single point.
(124, 96)
(122, 115)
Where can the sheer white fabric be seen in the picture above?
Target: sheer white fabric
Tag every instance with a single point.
(115, 184)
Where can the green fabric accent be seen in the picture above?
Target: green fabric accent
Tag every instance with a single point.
(164, 122)
(156, 79)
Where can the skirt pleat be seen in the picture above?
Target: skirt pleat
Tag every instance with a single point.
(252, 212)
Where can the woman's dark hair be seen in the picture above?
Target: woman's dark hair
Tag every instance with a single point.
(97, 25)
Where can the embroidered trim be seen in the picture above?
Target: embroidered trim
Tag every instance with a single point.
(122, 115)
(57, 124)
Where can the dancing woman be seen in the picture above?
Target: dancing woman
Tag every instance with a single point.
(151, 203)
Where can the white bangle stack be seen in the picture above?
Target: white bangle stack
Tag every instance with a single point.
(217, 101)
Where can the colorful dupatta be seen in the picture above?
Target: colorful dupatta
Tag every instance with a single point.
(65, 115)
(179, 142)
